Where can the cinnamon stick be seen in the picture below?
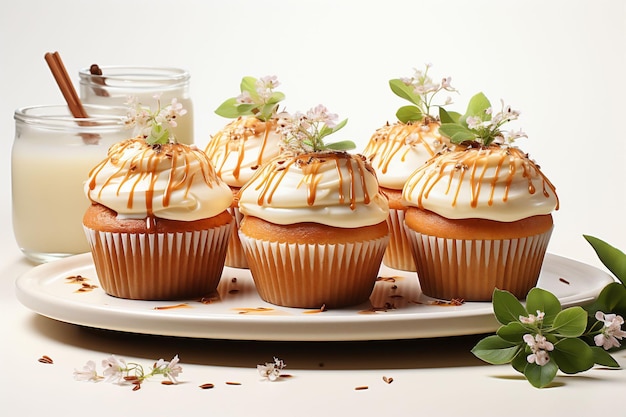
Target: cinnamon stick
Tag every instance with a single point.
(69, 93)
(65, 84)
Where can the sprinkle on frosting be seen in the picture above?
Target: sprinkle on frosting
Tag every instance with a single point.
(333, 188)
(397, 150)
(170, 181)
(239, 149)
(496, 182)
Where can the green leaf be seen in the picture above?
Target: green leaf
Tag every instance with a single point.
(540, 376)
(506, 307)
(512, 332)
(572, 356)
(611, 257)
(456, 133)
(448, 116)
(495, 350)
(228, 109)
(409, 114)
(246, 109)
(541, 300)
(404, 91)
(603, 358)
(276, 97)
(612, 299)
(344, 145)
(571, 322)
(476, 107)
(519, 362)
(249, 84)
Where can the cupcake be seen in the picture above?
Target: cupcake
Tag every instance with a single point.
(244, 144)
(396, 150)
(314, 224)
(158, 225)
(479, 215)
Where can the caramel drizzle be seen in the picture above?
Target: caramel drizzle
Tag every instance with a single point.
(389, 140)
(311, 164)
(152, 156)
(476, 164)
(252, 127)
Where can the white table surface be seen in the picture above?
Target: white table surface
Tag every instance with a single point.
(561, 64)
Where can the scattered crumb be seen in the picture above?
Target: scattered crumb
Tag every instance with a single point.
(46, 359)
(361, 388)
(167, 382)
(232, 383)
(207, 386)
(388, 380)
(564, 280)
(182, 305)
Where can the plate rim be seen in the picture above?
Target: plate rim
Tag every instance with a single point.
(302, 327)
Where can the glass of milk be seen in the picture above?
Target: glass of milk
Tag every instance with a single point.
(51, 157)
(117, 83)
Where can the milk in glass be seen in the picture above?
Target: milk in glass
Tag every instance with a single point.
(51, 158)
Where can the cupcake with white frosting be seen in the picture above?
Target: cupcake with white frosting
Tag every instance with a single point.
(158, 225)
(397, 149)
(314, 228)
(241, 147)
(479, 216)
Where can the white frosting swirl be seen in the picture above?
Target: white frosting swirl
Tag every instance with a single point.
(241, 147)
(334, 188)
(397, 150)
(171, 181)
(497, 183)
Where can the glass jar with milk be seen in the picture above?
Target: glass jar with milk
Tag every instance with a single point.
(114, 85)
(51, 157)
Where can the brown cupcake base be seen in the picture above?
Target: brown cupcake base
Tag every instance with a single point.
(314, 275)
(398, 254)
(159, 266)
(471, 269)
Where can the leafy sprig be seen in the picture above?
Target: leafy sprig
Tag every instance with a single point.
(420, 90)
(118, 371)
(540, 339)
(479, 123)
(155, 126)
(258, 98)
(305, 132)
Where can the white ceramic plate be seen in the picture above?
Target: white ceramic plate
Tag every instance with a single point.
(396, 310)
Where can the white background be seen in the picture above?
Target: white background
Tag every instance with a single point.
(562, 63)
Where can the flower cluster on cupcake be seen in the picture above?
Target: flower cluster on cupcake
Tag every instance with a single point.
(314, 229)
(238, 149)
(395, 150)
(479, 214)
(154, 125)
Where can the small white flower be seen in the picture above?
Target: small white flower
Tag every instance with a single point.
(271, 370)
(473, 122)
(171, 369)
(244, 98)
(114, 369)
(539, 347)
(611, 332)
(532, 319)
(88, 373)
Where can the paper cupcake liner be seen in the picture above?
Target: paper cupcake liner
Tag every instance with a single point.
(398, 254)
(472, 269)
(235, 256)
(159, 266)
(314, 275)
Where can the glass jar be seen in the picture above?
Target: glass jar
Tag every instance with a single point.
(51, 157)
(117, 83)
